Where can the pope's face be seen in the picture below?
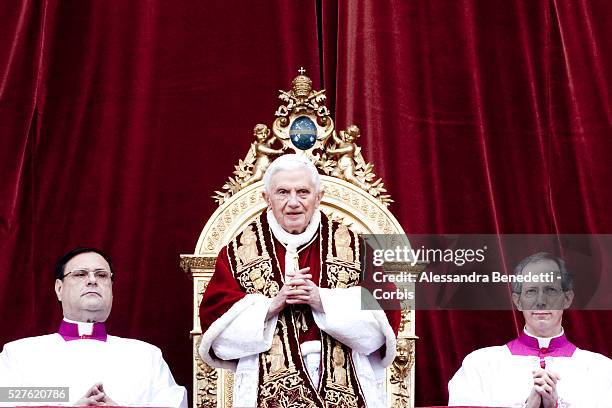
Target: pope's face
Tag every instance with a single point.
(86, 292)
(293, 199)
(542, 303)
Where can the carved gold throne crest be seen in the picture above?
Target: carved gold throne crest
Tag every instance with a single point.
(353, 195)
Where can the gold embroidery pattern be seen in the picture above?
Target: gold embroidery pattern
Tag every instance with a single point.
(342, 277)
(343, 270)
(345, 255)
(276, 356)
(283, 379)
(286, 391)
(261, 238)
(247, 254)
(336, 398)
(258, 279)
(339, 383)
(254, 271)
(282, 386)
(342, 242)
(247, 251)
(339, 369)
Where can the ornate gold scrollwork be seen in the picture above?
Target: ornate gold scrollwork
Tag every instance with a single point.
(189, 263)
(206, 378)
(335, 154)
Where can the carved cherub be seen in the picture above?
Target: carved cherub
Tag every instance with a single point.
(346, 148)
(263, 151)
(403, 361)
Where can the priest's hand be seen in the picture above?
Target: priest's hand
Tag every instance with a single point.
(545, 384)
(106, 400)
(534, 400)
(289, 290)
(95, 396)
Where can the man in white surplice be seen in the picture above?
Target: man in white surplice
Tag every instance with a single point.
(284, 316)
(540, 368)
(98, 369)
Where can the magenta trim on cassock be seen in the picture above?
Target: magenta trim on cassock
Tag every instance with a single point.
(526, 345)
(70, 331)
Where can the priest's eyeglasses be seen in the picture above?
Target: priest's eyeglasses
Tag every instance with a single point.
(100, 275)
(549, 291)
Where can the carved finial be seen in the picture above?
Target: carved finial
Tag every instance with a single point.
(303, 124)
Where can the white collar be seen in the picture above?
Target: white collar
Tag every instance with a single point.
(544, 341)
(293, 241)
(85, 328)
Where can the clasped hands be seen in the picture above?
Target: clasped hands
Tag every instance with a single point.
(298, 289)
(544, 391)
(95, 396)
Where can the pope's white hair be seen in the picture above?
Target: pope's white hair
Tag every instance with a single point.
(290, 162)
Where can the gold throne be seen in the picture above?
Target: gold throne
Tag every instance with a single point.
(353, 195)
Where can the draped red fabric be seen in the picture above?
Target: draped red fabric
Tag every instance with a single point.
(119, 120)
(482, 117)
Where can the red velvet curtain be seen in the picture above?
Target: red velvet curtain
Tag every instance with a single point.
(482, 117)
(120, 119)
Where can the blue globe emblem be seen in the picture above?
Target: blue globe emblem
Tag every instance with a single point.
(303, 133)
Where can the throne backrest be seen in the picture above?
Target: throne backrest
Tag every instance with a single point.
(352, 195)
